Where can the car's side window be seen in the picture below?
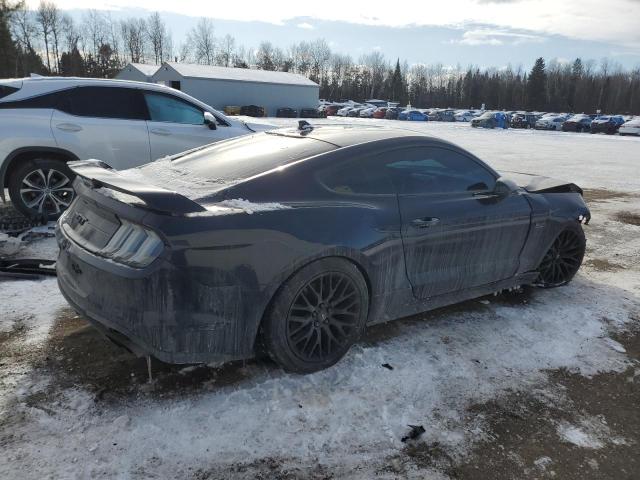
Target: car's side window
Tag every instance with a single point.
(166, 108)
(105, 102)
(437, 170)
(360, 176)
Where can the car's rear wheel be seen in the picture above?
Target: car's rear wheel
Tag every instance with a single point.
(316, 316)
(42, 188)
(563, 259)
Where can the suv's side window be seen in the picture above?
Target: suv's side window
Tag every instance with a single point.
(437, 170)
(167, 108)
(361, 176)
(105, 102)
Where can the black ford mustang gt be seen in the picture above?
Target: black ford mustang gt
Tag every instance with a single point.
(299, 238)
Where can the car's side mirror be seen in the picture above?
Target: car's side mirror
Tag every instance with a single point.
(504, 187)
(210, 120)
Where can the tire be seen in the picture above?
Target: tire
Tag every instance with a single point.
(563, 259)
(42, 188)
(302, 330)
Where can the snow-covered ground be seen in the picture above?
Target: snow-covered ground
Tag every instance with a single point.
(348, 421)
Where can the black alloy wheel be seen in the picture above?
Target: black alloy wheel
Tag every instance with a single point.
(323, 317)
(316, 316)
(563, 259)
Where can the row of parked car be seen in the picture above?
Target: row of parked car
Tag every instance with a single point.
(594, 123)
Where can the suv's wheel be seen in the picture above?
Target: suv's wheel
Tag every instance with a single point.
(42, 187)
(316, 316)
(563, 259)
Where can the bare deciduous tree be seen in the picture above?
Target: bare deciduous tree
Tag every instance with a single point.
(45, 22)
(202, 42)
(134, 36)
(227, 50)
(159, 38)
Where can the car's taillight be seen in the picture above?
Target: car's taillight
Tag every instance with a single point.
(132, 245)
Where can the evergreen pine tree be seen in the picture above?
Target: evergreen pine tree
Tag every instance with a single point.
(397, 84)
(537, 86)
(8, 51)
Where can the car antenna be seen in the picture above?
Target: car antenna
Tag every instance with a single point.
(304, 126)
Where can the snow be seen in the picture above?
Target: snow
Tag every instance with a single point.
(592, 433)
(350, 418)
(578, 437)
(120, 196)
(249, 207)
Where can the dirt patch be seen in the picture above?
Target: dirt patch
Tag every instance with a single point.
(264, 469)
(587, 428)
(602, 265)
(630, 339)
(76, 354)
(602, 195)
(628, 217)
(17, 331)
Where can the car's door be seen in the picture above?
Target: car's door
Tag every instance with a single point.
(176, 125)
(456, 232)
(105, 123)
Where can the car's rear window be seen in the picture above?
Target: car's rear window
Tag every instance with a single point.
(250, 155)
(6, 90)
(228, 162)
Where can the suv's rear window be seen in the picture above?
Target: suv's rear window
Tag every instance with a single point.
(6, 90)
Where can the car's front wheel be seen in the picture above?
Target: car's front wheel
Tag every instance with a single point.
(42, 188)
(316, 316)
(563, 259)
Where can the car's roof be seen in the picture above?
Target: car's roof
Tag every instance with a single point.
(216, 167)
(345, 135)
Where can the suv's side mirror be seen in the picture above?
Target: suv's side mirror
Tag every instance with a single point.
(504, 187)
(210, 120)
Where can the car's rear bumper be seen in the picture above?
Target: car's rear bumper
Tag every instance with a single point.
(174, 314)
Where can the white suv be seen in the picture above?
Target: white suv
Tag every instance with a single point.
(47, 121)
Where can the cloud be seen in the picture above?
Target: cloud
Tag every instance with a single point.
(306, 26)
(491, 36)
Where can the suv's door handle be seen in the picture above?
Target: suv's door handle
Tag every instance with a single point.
(68, 127)
(160, 131)
(425, 222)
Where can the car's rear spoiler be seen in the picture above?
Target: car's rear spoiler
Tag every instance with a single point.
(539, 184)
(98, 174)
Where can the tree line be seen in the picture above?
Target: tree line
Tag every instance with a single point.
(48, 41)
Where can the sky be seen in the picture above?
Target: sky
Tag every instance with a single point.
(479, 32)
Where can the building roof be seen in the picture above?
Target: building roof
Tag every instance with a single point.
(239, 74)
(144, 68)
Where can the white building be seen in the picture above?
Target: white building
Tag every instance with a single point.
(222, 86)
(139, 72)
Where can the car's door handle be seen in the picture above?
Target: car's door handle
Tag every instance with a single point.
(425, 222)
(68, 127)
(160, 131)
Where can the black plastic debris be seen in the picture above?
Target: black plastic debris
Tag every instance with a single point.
(387, 366)
(27, 268)
(17, 225)
(415, 432)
